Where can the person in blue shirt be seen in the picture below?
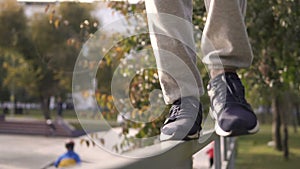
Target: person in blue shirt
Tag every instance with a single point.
(70, 158)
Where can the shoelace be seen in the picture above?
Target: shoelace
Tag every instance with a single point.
(226, 87)
(174, 111)
(234, 88)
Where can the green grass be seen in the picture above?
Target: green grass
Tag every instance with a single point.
(253, 152)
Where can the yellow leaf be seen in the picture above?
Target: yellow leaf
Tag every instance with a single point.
(119, 49)
(51, 18)
(56, 23)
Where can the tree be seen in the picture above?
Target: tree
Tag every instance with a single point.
(12, 46)
(39, 53)
(274, 31)
(57, 37)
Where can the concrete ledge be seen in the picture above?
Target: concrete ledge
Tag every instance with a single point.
(167, 154)
(163, 155)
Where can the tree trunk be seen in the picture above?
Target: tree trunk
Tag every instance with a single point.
(45, 101)
(297, 114)
(285, 110)
(276, 123)
(295, 117)
(285, 142)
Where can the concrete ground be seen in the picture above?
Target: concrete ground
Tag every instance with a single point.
(34, 152)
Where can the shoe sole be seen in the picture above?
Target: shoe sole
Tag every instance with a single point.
(165, 137)
(237, 132)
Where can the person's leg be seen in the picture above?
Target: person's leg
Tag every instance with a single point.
(225, 41)
(226, 48)
(211, 162)
(171, 34)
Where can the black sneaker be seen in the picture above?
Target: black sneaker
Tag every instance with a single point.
(234, 116)
(184, 121)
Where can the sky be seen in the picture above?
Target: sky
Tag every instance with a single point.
(104, 14)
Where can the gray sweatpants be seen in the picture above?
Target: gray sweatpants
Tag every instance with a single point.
(224, 42)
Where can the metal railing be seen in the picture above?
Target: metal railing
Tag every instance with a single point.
(225, 153)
